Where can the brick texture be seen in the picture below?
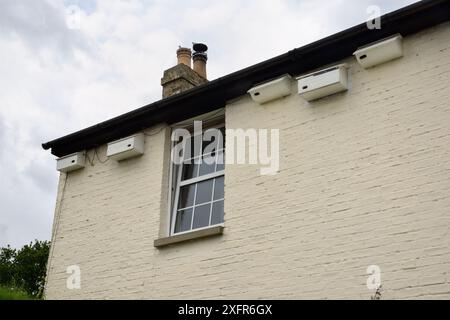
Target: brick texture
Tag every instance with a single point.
(364, 180)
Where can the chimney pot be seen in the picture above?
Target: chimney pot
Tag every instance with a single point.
(184, 56)
(200, 57)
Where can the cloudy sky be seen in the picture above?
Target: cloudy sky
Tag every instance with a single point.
(67, 64)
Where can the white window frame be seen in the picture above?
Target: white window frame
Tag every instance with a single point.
(175, 186)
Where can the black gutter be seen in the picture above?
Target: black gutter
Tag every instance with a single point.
(214, 94)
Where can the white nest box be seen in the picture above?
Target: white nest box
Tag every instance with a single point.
(380, 51)
(323, 83)
(268, 91)
(71, 162)
(126, 148)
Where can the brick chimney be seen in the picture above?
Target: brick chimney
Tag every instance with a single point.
(182, 77)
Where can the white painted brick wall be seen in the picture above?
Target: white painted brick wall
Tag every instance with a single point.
(364, 179)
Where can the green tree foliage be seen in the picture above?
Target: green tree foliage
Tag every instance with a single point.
(7, 257)
(25, 268)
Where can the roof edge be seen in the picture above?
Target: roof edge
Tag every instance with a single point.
(214, 94)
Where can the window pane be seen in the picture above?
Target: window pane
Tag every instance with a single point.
(188, 151)
(189, 170)
(204, 191)
(220, 161)
(184, 218)
(213, 140)
(217, 213)
(196, 146)
(218, 188)
(201, 216)
(211, 144)
(187, 196)
(207, 166)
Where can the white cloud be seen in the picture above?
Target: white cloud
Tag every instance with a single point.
(55, 80)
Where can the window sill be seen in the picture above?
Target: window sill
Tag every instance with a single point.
(196, 234)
